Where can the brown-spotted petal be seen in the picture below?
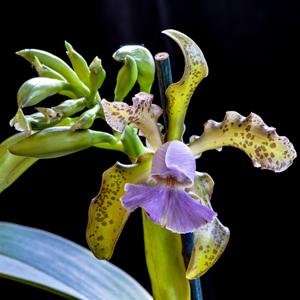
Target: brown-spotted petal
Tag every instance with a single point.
(107, 216)
(261, 143)
(210, 240)
(142, 115)
(180, 93)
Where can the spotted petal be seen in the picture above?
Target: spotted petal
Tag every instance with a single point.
(107, 216)
(180, 93)
(142, 114)
(210, 239)
(261, 143)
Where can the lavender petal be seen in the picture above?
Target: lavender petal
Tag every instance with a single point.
(179, 159)
(184, 214)
(136, 195)
(159, 166)
(171, 208)
(174, 160)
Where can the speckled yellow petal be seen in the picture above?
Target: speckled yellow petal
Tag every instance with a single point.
(180, 93)
(211, 239)
(107, 216)
(261, 143)
(142, 115)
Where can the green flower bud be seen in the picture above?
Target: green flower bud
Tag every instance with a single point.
(97, 74)
(69, 94)
(49, 113)
(79, 64)
(45, 71)
(39, 121)
(65, 109)
(59, 141)
(37, 89)
(87, 119)
(58, 65)
(145, 64)
(126, 78)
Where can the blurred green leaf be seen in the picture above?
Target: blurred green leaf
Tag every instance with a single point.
(60, 266)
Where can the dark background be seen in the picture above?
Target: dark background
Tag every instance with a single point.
(253, 56)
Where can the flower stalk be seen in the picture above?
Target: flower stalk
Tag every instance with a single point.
(164, 76)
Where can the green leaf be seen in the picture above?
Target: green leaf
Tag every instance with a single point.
(60, 266)
(261, 143)
(211, 239)
(107, 216)
(179, 94)
(12, 166)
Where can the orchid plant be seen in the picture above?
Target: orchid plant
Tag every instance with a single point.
(162, 177)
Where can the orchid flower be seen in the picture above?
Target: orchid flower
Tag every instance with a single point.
(167, 202)
(166, 185)
(162, 179)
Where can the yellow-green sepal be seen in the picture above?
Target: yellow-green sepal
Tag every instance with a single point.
(210, 240)
(165, 263)
(179, 94)
(107, 216)
(260, 142)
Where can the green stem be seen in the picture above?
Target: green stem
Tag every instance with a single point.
(164, 74)
(132, 144)
(164, 262)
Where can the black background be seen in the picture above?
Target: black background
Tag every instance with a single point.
(253, 56)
